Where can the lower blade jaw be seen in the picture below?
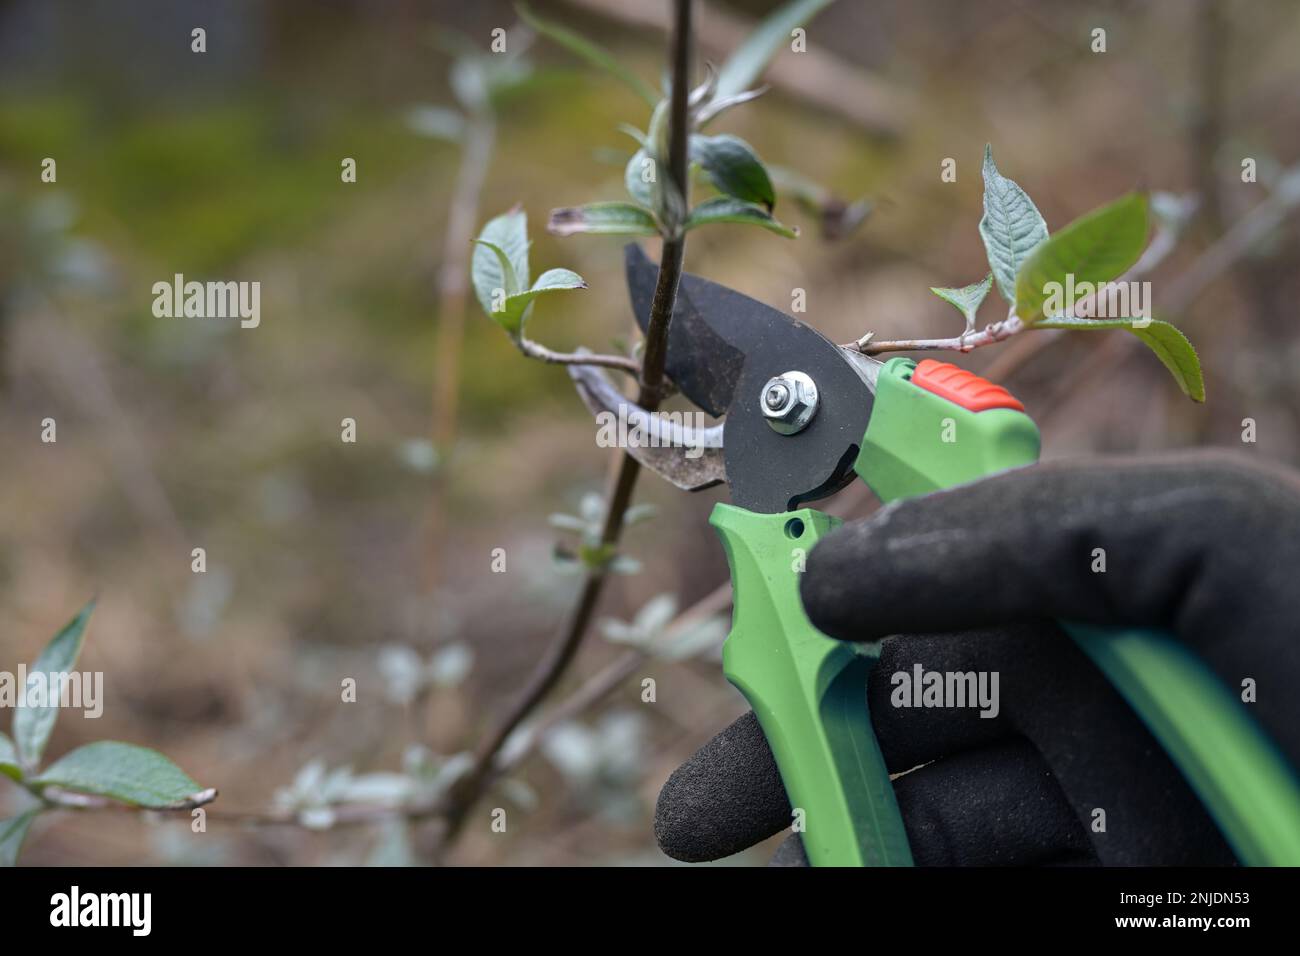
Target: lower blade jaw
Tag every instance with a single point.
(689, 458)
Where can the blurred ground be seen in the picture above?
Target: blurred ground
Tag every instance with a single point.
(179, 434)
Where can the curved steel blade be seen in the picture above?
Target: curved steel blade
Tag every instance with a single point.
(710, 329)
(722, 349)
(690, 458)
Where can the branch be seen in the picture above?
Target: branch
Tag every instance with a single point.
(542, 353)
(58, 799)
(854, 501)
(452, 291)
(997, 332)
(1236, 242)
(475, 158)
(605, 681)
(1166, 239)
(466, 791)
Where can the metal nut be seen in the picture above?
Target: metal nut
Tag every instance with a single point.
(789, 402)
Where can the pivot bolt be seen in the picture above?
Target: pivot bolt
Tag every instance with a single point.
(777, 396)
(789, 402)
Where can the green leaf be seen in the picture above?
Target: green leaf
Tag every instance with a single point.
(503, 242)
(1011, 227)
(9, 763)
(1169, 344)
(634, 178)
(12, 833)
(967, 299)
(603, 218)
(661, 196)
(597, 556)
(1177, 354)
(514, 315)
(491, 279)
(554, 280)
(585, 49)
(656, 133)
(123, 772)
(726, 209)
(33, 725)
(750, 59)
(734, 167)
(1095, 248)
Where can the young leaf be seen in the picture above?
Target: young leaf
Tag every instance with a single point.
(567, 522)
(625, 564)
(552, 280)
(504, 240)
(635, 176)
(123, 772)
(12, 833)
(968, 298)
(513, 315)
(734, 167)
(1011, 227)
(715, 107)
(1095, 248)
(750, 59)
(33, 725)
(603, 218)
(1169, 344)
(493, 282)
(656, 614)
(469, 83)
(9, 765)
(436, 122)
(641, 138)
(596, 556)
(694, 640)
(726, 209)
(656, 131)
(637, 514)
(585, 49)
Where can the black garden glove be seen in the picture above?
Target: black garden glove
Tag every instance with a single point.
(1206, 546)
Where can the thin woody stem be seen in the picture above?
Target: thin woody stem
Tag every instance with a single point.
(542, 353)
(997, 332)
(466, 791)
(56, 798)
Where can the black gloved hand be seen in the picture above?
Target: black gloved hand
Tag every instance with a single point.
(1205, 546)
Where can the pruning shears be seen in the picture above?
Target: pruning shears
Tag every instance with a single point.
(802, 418)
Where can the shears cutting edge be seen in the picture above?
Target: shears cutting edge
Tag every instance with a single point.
(803, 418)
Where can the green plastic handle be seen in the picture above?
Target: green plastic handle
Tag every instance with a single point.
(808, 692)
(1233, 766)
(918, 442)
